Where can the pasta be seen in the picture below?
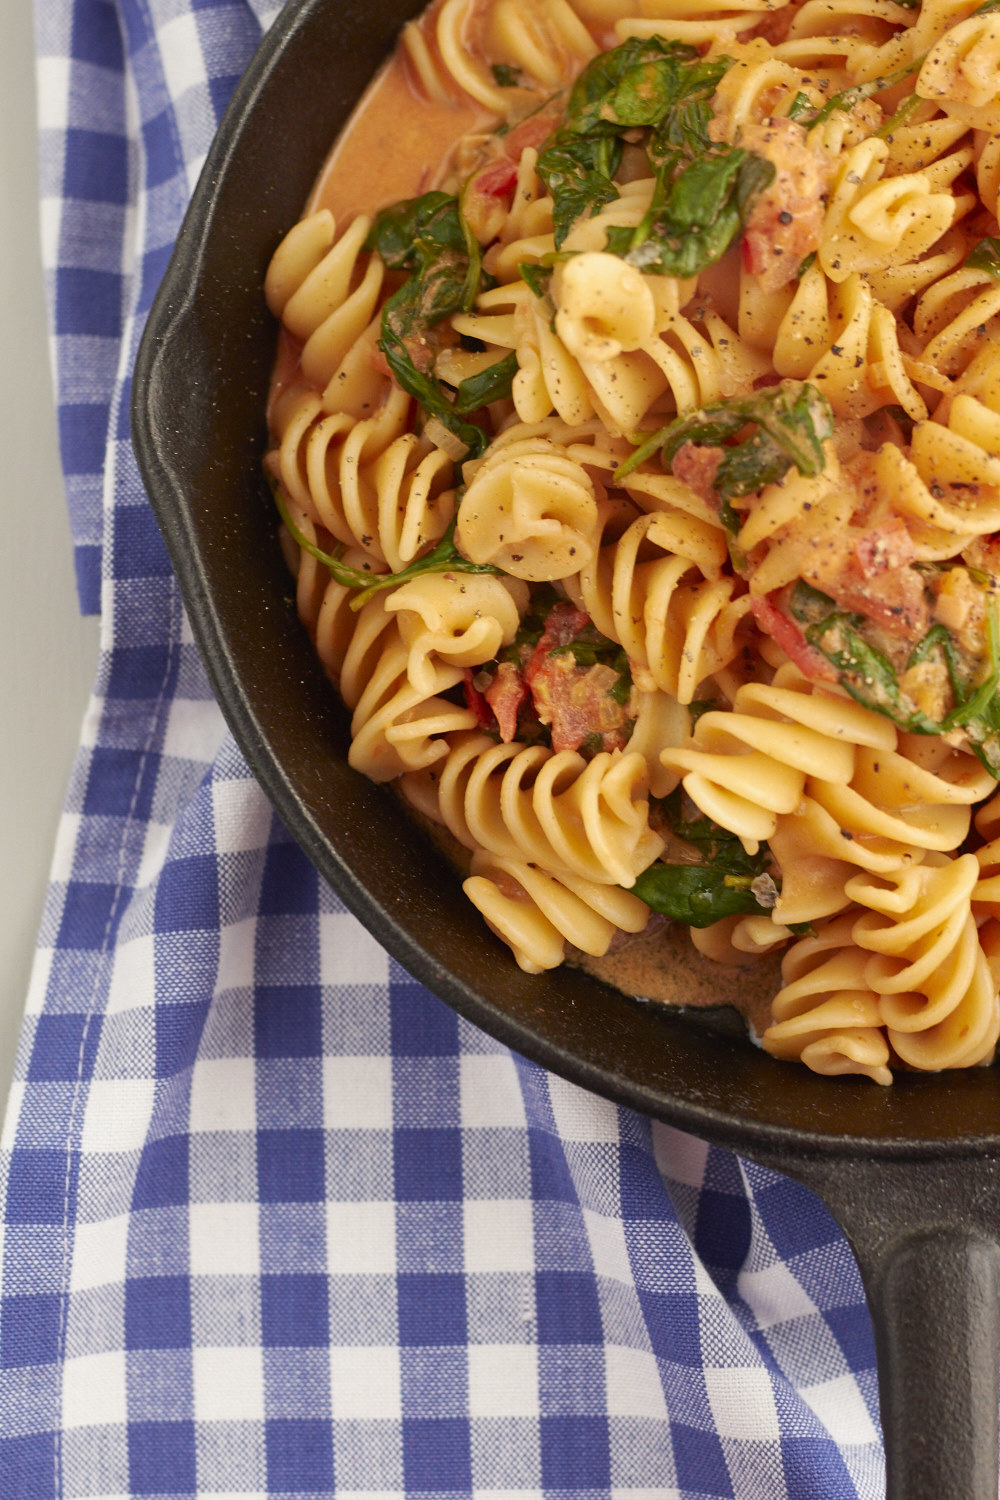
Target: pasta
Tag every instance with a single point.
(640, 477)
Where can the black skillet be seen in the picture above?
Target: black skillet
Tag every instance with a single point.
(910, 1172)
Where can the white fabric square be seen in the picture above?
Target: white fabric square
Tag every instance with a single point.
(225, 1239)
(633, 1383)
(840, 1407)
(15, 1099)
(775, 1295)
(491, 1096)
(237, 942)
(155, 848)
(607, 1246)
(241, 814)
(99, 1253)
(679, 1156)
(357, 1093)
(228, 1384)
(503, 1380)
(180, 50)
(38, 985)
(223, 1094)
(361, 1238)
(64, 853)
(52, 78)
(133, 976)
(347, 953)
(93, 1392)
(499, 1234)
(117, 1114)
(581, 1116)
(365, 1383)
(742, 1403)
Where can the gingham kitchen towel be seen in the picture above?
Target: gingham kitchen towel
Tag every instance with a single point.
(275, 1221)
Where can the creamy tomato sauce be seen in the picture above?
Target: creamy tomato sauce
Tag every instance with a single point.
(398, 144)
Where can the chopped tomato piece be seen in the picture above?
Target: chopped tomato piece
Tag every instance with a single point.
(476, 703)
(574, 700)
(697, 464)
(884, 548)
(791, 640)
(496, 180)
(505, 695)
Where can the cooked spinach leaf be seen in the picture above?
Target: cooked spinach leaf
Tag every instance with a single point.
(442, 558)
(718, 882)
(429, 237)
(491, 384)
(788, 424)
(871, 679)
(703, 188)
(985, 256)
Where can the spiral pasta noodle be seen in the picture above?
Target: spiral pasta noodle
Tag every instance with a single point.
(640, 480)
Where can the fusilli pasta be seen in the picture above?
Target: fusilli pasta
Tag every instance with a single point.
(640, 476)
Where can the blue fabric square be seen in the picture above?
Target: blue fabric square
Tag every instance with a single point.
(159, 138)
(568, 1309)
(437, 1457)
(157, 1312)
(139, 550)
(852, 1326)
(550, 1175)
(82, 431)
(795, 1219)
(422, 1025)
(96, 35)
(29, 1330)
(120, 783)
(87, 566)
(288, 1020)
(154, 264)
(640, 1184)
(428, 1165)
(290, 1166)
(63, 1048)
(36, 1187)
(88, 303)
(674, 1324)
(299, 1456)
(294, 1311)
(289, 884)
(576, 1454)
(722, 1232)
(96, 167)
(87, 915)
(140, 672)
(187, 895)
(815, 1466)
(700, 1462)
(431, 1309)
(162, 1178)
(28, 1465)
(162, 1458)
(178, 1035)
(220, 91)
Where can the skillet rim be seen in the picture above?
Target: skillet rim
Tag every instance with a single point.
(185, 345)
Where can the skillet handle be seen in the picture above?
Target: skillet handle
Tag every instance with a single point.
(935, 1303)
(925, 1237)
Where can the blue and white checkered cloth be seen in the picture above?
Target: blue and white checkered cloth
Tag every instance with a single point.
(275, 1221)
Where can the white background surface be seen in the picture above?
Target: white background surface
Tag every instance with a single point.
(49, 652)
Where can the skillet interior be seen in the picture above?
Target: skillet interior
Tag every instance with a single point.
(198, 405)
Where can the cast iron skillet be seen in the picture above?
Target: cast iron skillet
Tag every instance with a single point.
(910, 1172)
